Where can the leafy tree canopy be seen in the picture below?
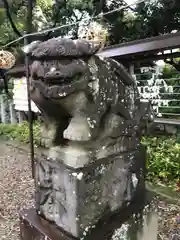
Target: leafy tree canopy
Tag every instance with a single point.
(151, 18)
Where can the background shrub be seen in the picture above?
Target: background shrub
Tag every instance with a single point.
(19, 132)
(163, 162)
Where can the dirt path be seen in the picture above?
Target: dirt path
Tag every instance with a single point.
(17, 192)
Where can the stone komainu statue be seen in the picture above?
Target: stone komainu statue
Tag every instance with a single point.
(84, 99)
(93, 117)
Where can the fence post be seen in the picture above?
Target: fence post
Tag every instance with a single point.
(12, 113)
(131, 69)
(3, 110)
(20, 118)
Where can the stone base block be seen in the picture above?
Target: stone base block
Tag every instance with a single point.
(76, 199)
(33, 227)
(138, 221)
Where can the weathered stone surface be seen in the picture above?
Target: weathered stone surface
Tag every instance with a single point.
(88, 103)
(76, 199)
(93, 124)
(137, 221)
(90, 93)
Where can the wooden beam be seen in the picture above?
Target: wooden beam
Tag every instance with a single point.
(143, 46)
(168, 121)
(147, 58)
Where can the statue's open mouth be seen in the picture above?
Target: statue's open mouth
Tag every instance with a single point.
(56, 88)
(57, 79)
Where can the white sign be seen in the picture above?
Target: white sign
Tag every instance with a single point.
(20, 98)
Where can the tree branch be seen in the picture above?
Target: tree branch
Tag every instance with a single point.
(6, 5)
(173, 63)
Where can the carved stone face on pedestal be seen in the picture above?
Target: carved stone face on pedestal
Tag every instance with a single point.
(92, 117)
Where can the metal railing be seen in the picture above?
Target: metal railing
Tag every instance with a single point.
(164, 94)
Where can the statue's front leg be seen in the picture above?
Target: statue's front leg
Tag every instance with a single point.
(84, 125)
(78, 129)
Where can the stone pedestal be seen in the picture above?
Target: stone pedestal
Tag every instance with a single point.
(137, 221)
(33, 227)
(76, 199)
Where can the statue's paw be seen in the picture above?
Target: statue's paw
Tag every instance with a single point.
(44, 142)
(77, 132)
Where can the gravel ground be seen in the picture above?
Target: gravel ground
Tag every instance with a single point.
(17, 192)
(169, 221)
(16, 189)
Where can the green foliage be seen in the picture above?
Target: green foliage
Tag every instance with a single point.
(170, 72)
(144, 20)
(19, 132)
(157, 17)
(163, 159)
